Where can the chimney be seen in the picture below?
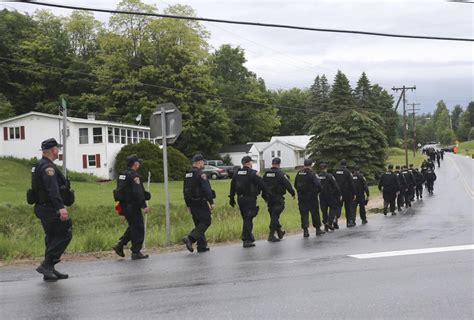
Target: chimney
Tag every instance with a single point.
(91, 116)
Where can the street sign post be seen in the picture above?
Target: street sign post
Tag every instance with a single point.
(166, 125)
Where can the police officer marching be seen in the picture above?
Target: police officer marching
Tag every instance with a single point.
(390, 188)
(199, 199)
(247, 185)
(403, 188)
(329, 198)
(362, 194)
(308, 187)
(276, 183)
(345, 182)
(132, 200)
(51, 194)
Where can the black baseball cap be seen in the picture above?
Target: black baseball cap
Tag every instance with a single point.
(276, 161)
(356, 168)
(246, 159)
(131, 159)
(343, 162)
(197, 157)
(50, 143)
(308, 162)
(323, 165)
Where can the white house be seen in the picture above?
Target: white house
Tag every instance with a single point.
(291, 150)
(92, 145)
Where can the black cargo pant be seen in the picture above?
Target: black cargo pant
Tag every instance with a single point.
(58, 234)
(329, 207)
(275, 208)
(430, 185)
(201, 214)
(401, 200)
(307, 204)
(419, 190)
(409, 196)
(135, 231)
(248, 211)
(389, 200)
(348, 202)
(360, 202)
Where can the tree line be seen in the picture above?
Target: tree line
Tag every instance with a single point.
(130, 64)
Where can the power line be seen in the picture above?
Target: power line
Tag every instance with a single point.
(249, 23)
(154, 86)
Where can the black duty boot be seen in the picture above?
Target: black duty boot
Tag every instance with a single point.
(281, 233)
(335, 225)
(248, 244)
(305, 232)
(272, 238)
(319, 232)
(206, 249)
(328, 227)
(139, 255)
(384, 212)
(118, 248)
(60, 275)
(188, 243)
(364, 221)
(47, 272)
(394, 213)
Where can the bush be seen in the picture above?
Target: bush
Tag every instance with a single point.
(152, 157)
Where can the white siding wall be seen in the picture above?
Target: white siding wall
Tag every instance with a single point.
(287, 155)
(39, 128)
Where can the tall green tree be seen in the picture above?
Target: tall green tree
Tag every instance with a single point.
(292, 110)
(362, 92)
(381, 103)
(6, 108)
(246, 100)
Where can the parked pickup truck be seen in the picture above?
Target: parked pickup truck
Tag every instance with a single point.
(220, 164)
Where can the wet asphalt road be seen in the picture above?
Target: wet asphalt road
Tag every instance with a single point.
(296, 278)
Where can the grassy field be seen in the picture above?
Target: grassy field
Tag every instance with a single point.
(97, 227)
(467, 148)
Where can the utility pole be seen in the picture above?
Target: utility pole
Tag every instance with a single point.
(414, 125)
(64, 107)
(405, 123)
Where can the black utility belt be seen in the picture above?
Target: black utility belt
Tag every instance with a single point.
(247, 195)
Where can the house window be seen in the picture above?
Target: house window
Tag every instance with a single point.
(83, 135)
(91, 161)
(273, 154)
(147, 135)
(140, 135)
(116, 135)
(15, 133)
(129, 136)
(135, 136)
(278, 153)
(110, 133)
(123, 136)
(301, 154)
(97, 132)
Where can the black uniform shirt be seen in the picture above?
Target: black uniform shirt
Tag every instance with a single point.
(277, 183)
(360, 184)
(137, 190)
(329, 184)
(253, 178)
(50, 179)
(309, 181)
(389, 182)
(199, 186)
(344, 180)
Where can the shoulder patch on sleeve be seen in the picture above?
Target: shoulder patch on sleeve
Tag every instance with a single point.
(204, 176)
(136, 180)
(50, 171)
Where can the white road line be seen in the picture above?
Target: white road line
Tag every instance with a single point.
(411, 252)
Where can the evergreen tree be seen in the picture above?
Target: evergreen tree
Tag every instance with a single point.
(362, 92)
(341, 98)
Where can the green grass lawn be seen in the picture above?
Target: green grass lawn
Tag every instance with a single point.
(97, 227)
(466, 148)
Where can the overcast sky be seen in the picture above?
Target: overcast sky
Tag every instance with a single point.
(290, 58)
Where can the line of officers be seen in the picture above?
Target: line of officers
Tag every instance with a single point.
(400, 186)
(326, 191)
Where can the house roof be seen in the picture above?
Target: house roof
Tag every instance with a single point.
(76, 120)
(236, 148)
(260, 146)
(300, 141)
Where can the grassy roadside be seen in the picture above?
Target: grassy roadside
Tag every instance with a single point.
(97, 227)
(466, 148)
